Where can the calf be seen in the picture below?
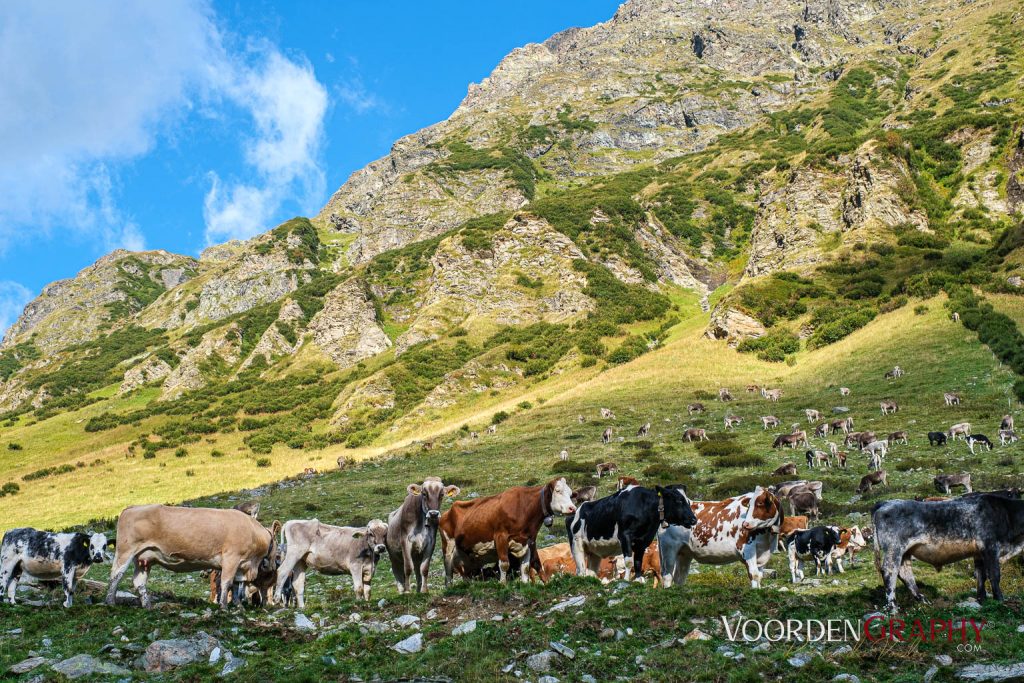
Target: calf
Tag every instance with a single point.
(606, 436)
(895, 373)
(331, 550)
(769, 421)
(412, 531)
(644, 430)
(731, 421)
(821, 431)
(936, 438)
(880, 448)
(988, 529)
(48, 556)
(184, 539)
(944, 482)
(557, 559)
(870, 480)
(694, 408)
(624, 523)
(804, 501)
(961, 430)
(740, 529)
(897, 437)
(850, 542)
(784, 489)
(624, 482)
(1007, 436)
(789, 470)
(874, 461)
(695, 435)
(608, 468)
(580, 419)
(815, 458)
(841, 458)
(249, 507)
(817, 544)
(812, 415)
(980, 439)
(502, 527)
(492, 429)
(753, 388)
(951, 398)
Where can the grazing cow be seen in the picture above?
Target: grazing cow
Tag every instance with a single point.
(844, 391)
(770, 421)
(331, 550)
(724, 394)
(784, 489)
(502, 527)
(624, 523)
(772, 395)
(803, 501)
(564, 455)
(988, 529)
(731, 421)
(608, 468)
(1007, 436)
(895, 373)
(817, 544)
(624, 482)
(872, 479)
(864, 439)
(1006, 422)
(492, 429)
(694, 408)
(791, 440)
(816, 457)
(841, 458)
(980, 439)
(789, 469)
(821, 431)
(879, 447)
(644, 430)
(850, 542)
(843, 425)
(889, 407)
(607, 414)
(897, 437)
(183, 539)
(753, 388)
(412, 531)
(792, 523)
(48, 556)
(936, 438)
(812, 415)
(740, 529)
(960, 430)
(951, 399)
(606, 436)
(695, 435)
(944, 482)
(874, 461)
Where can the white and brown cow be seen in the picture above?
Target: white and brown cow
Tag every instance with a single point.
(951, 398)
(812, 415)
(731, 421)
(772, 395)
(960, 430)
(48, 556)
(412, 531)
(851, 540)
(740, 529)
(695, 434)
(182, 539)
(770, 421)
(500, 528)
(889, 407)
(331, 550)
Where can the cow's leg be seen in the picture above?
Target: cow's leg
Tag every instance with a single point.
(299, 584)
(992, 569)
(668, 554)
(681, 571)
(422, 571)
(980, 576)
(357, 583)
(408, 568)
(448, 556)
(626, 543)
(593, 564)
(638, 562)
(524, 565)
(68, 583)
(501, 550)
(839, 565)
(117, 572)
(906, 575)
(9, 573)
(139, 582)
(579, 555)
(228, 571)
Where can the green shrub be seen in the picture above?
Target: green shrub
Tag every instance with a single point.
(773, 346)
(262, 462)
(216, 453)
(12, 446)
(180, 452)
(499, 417)
(9, 489)
(48, 472)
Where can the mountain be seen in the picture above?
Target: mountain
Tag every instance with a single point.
(787, 170)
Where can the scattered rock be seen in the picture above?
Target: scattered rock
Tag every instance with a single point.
(930, 673)
(431, 614)
(842, 650)
(26, 665)
(762, 647)
(563, 650)
(407, 620)
(992, 672)
(541, 662)
(164, 655)
(969, 603)
(304, 623)
(606, 634)
(576, 601)
(587, 678)
(87, 665)
(944, 660)
(464, 628)
(696, 634)
(801, 659)
(547, 679)
(231, 664)
(845, 678)
(410, 645)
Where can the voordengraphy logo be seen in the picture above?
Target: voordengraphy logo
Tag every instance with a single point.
(875, 628)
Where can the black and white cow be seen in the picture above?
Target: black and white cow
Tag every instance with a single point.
(986, 528)
(48, 556)
(810, 544)
(978, 440)
(624, 523)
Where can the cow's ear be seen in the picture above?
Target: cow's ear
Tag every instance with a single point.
(275, 527)
(452, 490)
(414, 489)
(358, 534)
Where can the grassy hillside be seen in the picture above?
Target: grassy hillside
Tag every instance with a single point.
(937, 355)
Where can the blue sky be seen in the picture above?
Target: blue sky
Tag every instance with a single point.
(177, 124)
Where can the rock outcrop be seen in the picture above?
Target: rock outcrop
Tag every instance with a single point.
(733, 325)
(346, 329)
(222, 344)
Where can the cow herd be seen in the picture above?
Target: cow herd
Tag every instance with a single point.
(635, 532)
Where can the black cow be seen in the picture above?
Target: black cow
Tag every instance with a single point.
(986, 528)
(624, 523)
(47, 556)
(936, 438)
(816, 543)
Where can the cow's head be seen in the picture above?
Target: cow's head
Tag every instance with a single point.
(98, 547)
(764, 510)
(674, 506)
(583, 494)
(558, 494)
(275, 553)
(431, 493)
(857, 539)
(376, 533)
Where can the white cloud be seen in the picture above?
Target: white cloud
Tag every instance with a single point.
(13, 298)
(88, 87)
(287, 105)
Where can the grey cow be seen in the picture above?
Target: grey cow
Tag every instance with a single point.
(412, 531)
(986, 528)
(331, 550)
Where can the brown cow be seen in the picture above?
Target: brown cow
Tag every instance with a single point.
(694, 408)
(792, 523)
(695, 434)
(501, 527)
(557, 559)
(803, 500)
(871, 479)
(187, 540)
(625, 481)
(843, 425)
(789, 469)
(608, 468)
